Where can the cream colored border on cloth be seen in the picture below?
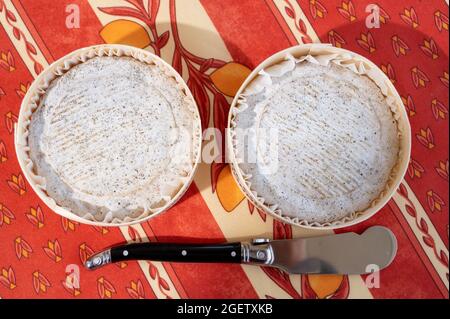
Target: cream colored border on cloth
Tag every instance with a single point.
(58, 68)
(323, 54)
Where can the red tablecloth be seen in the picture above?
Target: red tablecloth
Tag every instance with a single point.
(41, 253)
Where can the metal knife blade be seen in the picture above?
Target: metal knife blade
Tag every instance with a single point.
(347, 253)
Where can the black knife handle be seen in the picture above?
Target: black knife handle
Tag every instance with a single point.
(203, 253)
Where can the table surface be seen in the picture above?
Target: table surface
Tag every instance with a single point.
(217, 43)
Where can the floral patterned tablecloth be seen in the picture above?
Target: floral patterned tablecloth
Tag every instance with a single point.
(214, 45)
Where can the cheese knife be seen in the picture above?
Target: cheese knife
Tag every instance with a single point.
(346, 253)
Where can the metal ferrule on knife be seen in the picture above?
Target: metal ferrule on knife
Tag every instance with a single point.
(259, 251)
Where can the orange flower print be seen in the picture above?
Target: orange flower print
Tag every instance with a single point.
(441, 21)
(7, 61)
(10, 119)
(40, 282)
(3, 155)
(426, 138)
(442, 169)
(85, 252)
(136, 290)
(389, 71)
(36, 217)
(2, 93)
(367, 42)
(435, 202)
(439, 110)
(409, 105)
(6, 216)
(430, 49)
(410, 17)
(53, 250)
(384, 16)
(415, 169)
(22, 247)
(68, 224)
(347, 10)
(399, 46)
(444, 78)
(102, 230)
(419, 78)
(336, 39)
(73, 291)
(22, 90)
(104, 288)
(317, 9)
(121, 264)
(8, 278)
(71, 283)
(17, 184)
